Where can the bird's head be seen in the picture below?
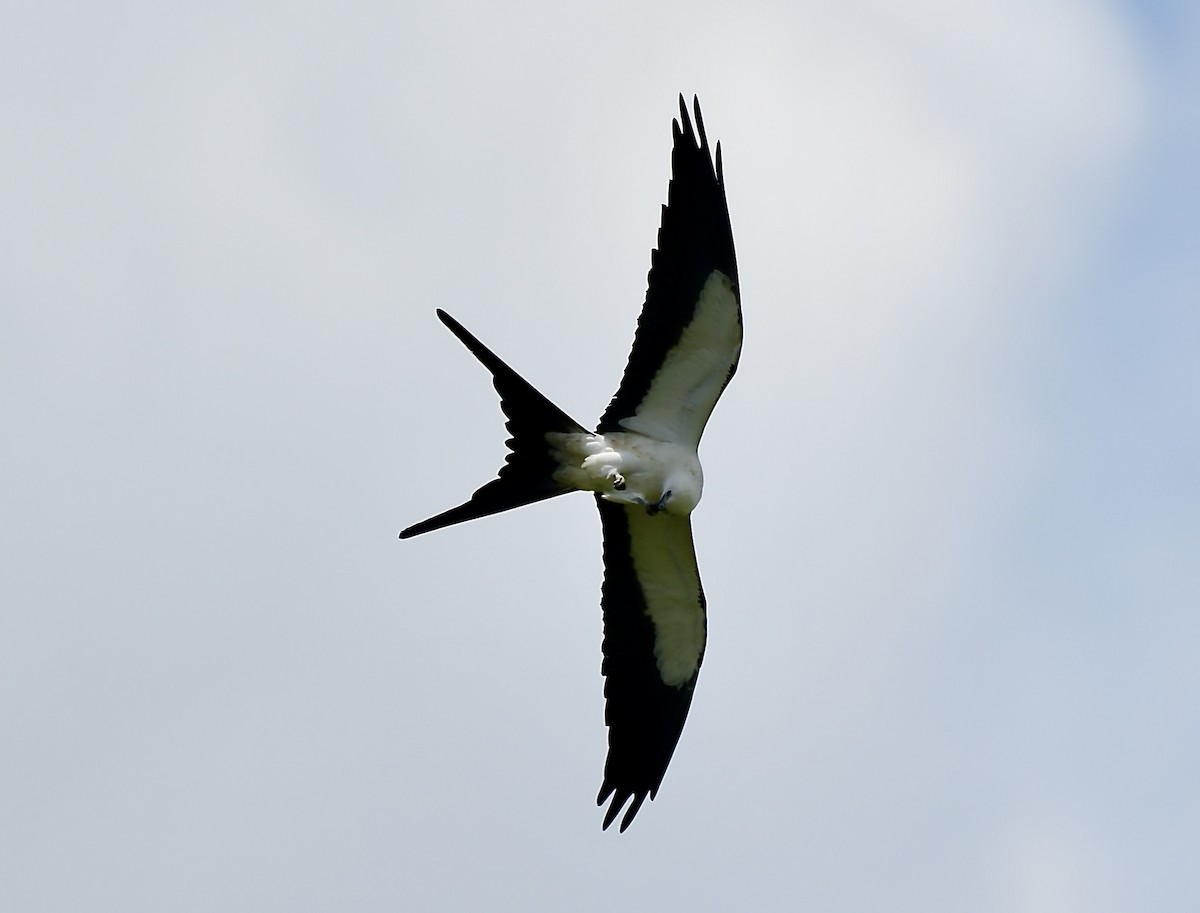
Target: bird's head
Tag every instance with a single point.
(679, 497)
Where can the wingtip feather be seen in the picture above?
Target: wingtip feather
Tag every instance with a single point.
(618, 804)
(699, 122)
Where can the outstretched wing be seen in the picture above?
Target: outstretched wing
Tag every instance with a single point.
(689, 335)
(654, 634)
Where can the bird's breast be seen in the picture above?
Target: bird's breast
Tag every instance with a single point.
(627, 467)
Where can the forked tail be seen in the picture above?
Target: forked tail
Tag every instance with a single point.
(528, 472)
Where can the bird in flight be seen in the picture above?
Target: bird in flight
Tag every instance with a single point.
(642, 466)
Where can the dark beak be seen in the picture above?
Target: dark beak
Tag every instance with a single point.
(652, 509)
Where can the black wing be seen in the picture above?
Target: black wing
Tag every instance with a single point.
(654, 636)
(689, 334)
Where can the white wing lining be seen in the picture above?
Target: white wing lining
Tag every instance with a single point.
(664, 560)
(686, 386)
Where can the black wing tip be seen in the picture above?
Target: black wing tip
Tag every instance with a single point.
(619, 797)
(699, 122)
(697, 133)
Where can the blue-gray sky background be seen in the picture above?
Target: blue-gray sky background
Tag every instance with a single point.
(950, 532)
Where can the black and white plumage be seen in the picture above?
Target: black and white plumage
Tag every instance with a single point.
(641, 463)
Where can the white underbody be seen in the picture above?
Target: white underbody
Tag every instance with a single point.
(630, 468)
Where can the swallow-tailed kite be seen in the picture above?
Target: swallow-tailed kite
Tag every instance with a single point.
(642, 466)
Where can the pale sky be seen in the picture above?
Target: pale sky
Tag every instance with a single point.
(951, 521)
